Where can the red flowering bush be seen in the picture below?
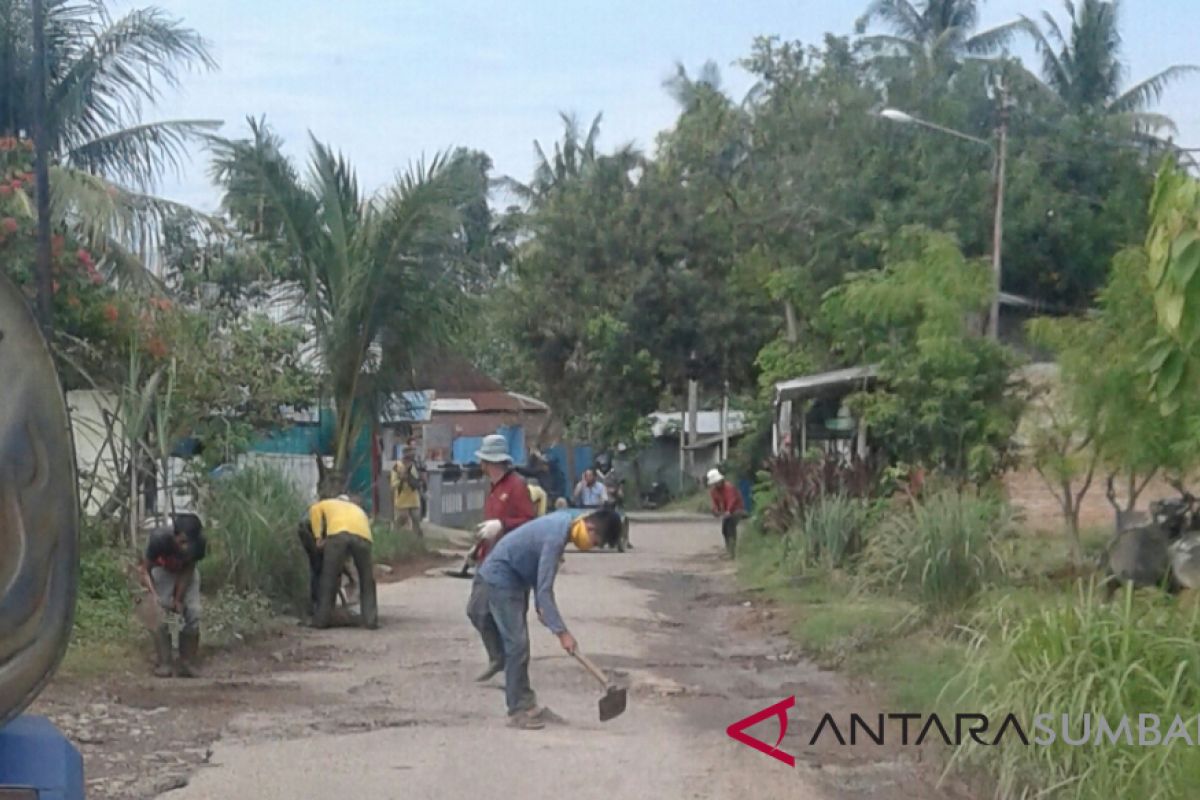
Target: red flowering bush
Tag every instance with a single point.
(84, 305)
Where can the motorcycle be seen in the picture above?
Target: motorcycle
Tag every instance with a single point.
(1165, 552)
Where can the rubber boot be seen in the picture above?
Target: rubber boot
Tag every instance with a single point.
(162, 651)
(189, 647)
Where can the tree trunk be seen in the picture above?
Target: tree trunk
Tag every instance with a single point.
(1070, 509)
(789, 315)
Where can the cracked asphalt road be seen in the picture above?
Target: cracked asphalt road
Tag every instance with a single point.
(394, 713)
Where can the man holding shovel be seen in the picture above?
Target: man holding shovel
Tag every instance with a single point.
(525, 560)
(168, 571)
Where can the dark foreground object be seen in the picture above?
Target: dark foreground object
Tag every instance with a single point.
(35, 756)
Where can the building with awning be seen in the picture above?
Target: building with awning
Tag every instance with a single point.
(810, 411)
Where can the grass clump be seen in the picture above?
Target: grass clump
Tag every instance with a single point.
(942, 550)
(1117, 660)
(830, 535)
(250, 521)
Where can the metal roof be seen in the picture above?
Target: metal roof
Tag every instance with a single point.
(708, 423)
(824, 383)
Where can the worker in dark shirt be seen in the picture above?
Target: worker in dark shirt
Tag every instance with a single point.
(527, 560)
(169, 572)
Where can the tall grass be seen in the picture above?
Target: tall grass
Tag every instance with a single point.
(1138, 656)
(250, 521)
(395, 544)
(943, 550)
(830, 535)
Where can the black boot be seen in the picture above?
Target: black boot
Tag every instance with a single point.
(189, 648)
(162, 651)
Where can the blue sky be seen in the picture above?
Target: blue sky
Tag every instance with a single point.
(387, 81)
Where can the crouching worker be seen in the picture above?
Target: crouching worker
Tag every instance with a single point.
(339, 530)
(169, 572)
(726, 504)
(527, 560)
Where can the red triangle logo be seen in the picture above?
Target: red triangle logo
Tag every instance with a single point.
(737, 730)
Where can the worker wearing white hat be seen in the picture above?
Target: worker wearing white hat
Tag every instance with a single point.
(727, 504)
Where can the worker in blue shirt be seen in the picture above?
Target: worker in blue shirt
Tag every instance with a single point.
(525, 560)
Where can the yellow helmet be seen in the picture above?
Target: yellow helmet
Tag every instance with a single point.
(580, 536)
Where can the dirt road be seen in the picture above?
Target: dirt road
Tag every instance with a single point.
(395, 714)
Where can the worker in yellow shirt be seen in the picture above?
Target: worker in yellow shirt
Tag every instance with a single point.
(340, 529)
(538, 495)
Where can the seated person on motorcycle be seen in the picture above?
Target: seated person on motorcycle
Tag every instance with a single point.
(589, 492)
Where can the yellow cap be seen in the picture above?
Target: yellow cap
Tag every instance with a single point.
(580, 537)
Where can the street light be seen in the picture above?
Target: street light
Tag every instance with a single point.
(999, 156)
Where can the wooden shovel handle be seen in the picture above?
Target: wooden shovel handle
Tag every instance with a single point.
(592, 668)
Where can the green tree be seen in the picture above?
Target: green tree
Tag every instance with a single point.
(377, 279)
(946, 399)
(102, 72)
(931, 34)
(1083, 67)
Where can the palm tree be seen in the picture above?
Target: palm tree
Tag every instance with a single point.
(378, 277)
(101, 73)
(932, 31)
(1083, 68)
(574, 157)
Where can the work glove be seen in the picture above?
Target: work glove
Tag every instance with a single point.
(489, 530)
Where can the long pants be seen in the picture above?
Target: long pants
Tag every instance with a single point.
(729, 526)
(408, 517)
(164, 587)
(338, 548)
(481, 617)
(509, 609)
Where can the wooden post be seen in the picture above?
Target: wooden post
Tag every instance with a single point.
(41, 154)
(682, 459)
(725, 424)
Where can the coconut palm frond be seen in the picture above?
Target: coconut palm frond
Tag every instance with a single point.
(118, 71)
(1151, 89)
(141, 154)
(994, 38)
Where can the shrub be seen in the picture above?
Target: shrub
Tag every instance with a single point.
(250, 519)
(801, 483)
(830, 534)
(1116, 660)
(104, 609)
(943, 549)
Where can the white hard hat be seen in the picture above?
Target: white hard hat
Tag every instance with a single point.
(713, 477)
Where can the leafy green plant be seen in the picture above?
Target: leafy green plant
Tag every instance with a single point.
(250, 519)
(104, 609)
(1087, 658)
(943, 549)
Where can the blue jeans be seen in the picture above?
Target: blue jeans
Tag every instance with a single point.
(509, 608)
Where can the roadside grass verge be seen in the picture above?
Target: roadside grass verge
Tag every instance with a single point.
(1024, 633)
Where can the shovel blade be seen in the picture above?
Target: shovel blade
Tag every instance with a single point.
(612, 704)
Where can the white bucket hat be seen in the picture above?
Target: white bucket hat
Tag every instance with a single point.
(713, 477)
(494, 449)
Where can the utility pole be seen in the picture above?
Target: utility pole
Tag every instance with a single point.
(41, 146)
(725, 423)
(693, 398)
(998, 222)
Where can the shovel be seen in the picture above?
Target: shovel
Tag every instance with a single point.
(613, 702)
